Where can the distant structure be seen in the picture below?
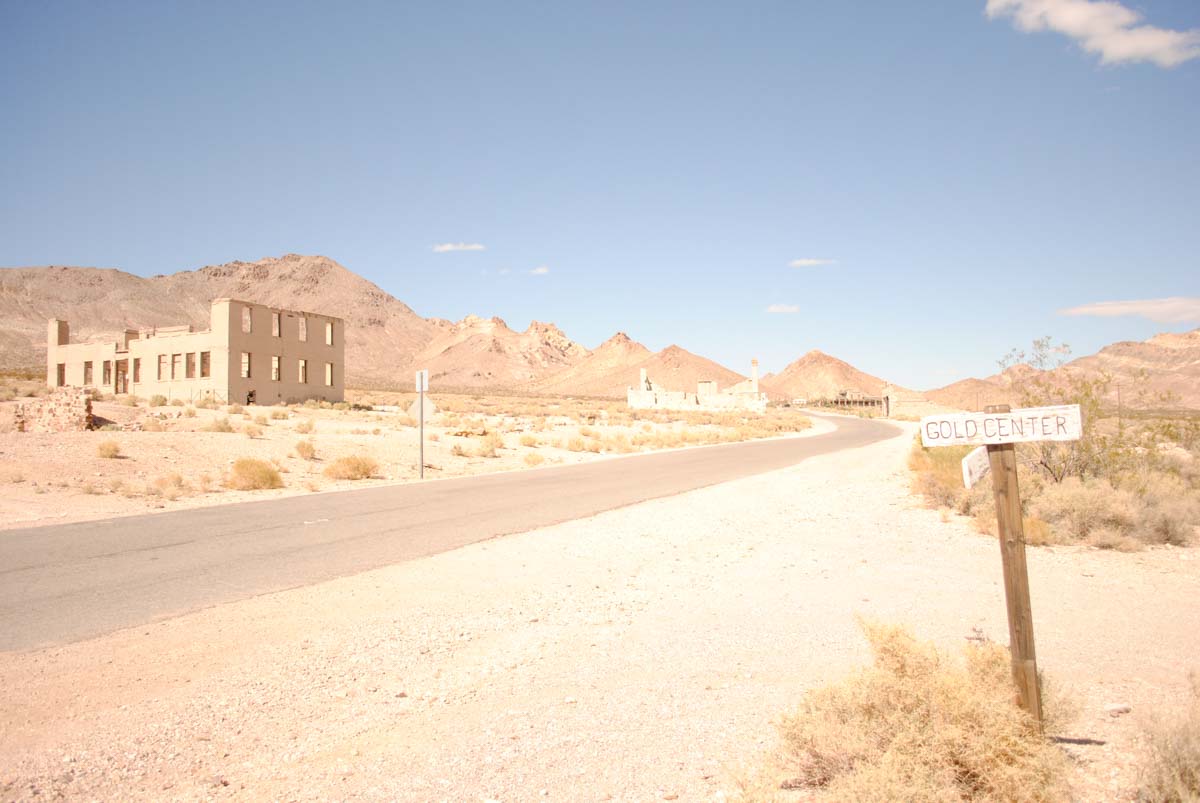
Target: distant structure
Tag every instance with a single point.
(742, 397)
(251, 354)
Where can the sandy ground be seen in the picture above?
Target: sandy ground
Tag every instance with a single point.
(641, 654)
(61, 477)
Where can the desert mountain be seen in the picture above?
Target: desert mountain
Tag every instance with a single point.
(817, 375)
(1170, 363)
(607, 371)
(384, 339)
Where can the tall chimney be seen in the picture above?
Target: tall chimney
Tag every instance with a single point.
(754, 376)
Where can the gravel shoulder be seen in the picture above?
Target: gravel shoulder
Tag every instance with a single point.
(640, 654)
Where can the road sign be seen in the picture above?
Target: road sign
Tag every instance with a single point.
(423, 380)
(1059, 423)
(975, 466)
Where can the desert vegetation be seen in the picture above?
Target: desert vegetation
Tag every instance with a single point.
(1131, 481)
(917, 724)
(1170, 771)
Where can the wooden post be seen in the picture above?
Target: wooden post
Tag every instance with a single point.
(1003, 459)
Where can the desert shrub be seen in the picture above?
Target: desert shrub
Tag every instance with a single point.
(534, 459)
(170, 486)
(1109, 538)
(305, 449)
(918, 725)
(529, 440)
(1170, 773)
(1171, 520)
(235, 409)
(576, 445)
(152, 425)
(252, 474)
(262, 420)
(489, 443)
(219, 425)
(108, 449)
(304, 427)
(189, 412)
(158, 400)
(340, 406)
(206, 404)
(176, 402)
(252, 431)
(1077, 508)
(130, 400)
(355, 467)
(279, 415)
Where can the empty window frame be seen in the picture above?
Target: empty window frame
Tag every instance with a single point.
(329, 333)
(205, 364)
(162, 367)
(302, 371)
(329, 374)
(245, 365)
(60, 375)
(189, 365)
(276, 324)
(302, 330)
(275, 369)
(247, 320)
(137, 369)
(106, 372)
(177, 366)
(87, 372)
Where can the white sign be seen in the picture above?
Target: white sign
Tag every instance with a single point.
(423, 380)
(1061, 423)
(975, 466)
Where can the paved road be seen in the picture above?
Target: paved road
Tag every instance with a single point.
(70, 582)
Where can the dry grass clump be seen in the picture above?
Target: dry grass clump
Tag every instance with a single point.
(489, 443)
(279, 415)
(1171, 771)
(529, 440)
(252, 431)
(458, 451)
(305, 449)
(305, 427)
(152, 424)
(916, 725)
(170, 486)
(1078, 508)
(354, 467)
(534, 459)
(576, 445)
(108, 449)
(219, 425)
(235, 409)
(157, 400)
(251, 474)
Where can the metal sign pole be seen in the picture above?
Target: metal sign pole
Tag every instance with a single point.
(421, 418)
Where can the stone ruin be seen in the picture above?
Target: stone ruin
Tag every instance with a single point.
(66, 409)
(743, 397)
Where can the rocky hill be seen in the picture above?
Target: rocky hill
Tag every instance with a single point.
(817, 375)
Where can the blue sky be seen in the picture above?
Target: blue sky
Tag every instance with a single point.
(968, 168)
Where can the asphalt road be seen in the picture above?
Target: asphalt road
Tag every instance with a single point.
(74, 581)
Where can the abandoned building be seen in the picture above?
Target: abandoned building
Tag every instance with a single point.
(250, 354)
(742, 397)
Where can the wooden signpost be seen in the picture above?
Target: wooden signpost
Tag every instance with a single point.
(422, 388)
(998, 428)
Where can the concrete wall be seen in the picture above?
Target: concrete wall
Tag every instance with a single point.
(183, 353)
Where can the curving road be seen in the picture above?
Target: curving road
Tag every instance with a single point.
(74, 581)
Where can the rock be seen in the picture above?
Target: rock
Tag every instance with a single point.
(1117, 709)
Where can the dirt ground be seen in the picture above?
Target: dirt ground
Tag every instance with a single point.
(642, 654)
(58, 478)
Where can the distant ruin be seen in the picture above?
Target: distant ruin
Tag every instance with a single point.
(742, 397)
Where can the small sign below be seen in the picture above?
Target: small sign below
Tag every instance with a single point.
(975, 466)
(1059, 423)
(423, 380)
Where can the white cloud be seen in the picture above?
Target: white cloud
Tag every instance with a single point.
(540, 270)
(1162, 310)
(783, 309)
(810, 262)
(1104, 27)
(445, 248)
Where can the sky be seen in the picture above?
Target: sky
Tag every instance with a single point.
(916, 188)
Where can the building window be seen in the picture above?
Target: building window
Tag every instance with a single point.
(274, 369)
(87, 372)
(302, 374)
(106, 372)
(177, 366)
(60, 375)
(205, 364)
(137, 369)
(162, 367)
(275, 324)
(245, 365)
(303, 331)
(189, 365)
(329, 333)
(329, 374)
(246, 322)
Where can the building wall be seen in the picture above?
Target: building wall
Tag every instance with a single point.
(182, 352)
